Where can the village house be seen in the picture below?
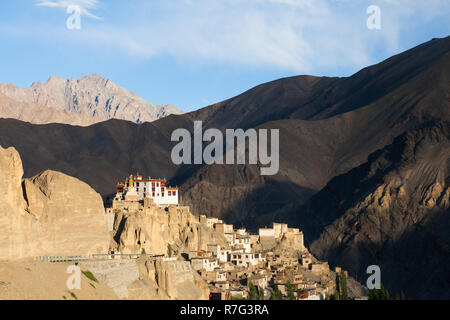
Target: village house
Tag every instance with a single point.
(227, 266)
(242, 242)
(239, 293)
(224, 228)
(210, 222)
(258, 280)
(237, 275)
(213, 248)
(319, 268)
(222, 285)
(207, 264)
(246, 259)
(305, 261)
(198, 253)
(254, 239)
(223, 255)
(219, 252)
(279, 229)
(214, 276)
(266, 232)
(296, 278)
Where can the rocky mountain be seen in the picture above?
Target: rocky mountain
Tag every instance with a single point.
(327, 127)
(39, 114)
(49, 214)
(85, 101)
(392, 211)
(152, 228)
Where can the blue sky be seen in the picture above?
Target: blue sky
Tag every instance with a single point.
(192, 53)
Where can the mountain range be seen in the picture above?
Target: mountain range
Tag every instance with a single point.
(86, 101)
(364, 163)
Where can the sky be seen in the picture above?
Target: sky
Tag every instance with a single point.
(193, 53)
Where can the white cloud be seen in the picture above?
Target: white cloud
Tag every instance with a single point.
(85, 5)
(303, 36)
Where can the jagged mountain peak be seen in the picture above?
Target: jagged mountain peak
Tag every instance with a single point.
(90, 99)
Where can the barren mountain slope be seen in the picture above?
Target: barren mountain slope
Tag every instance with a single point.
(393, 211)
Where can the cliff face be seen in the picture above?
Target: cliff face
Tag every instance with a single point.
(85, 101)
(150, 229)
(50, 214)
(392, 211)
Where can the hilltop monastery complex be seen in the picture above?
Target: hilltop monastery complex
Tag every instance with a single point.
(227, 259)
(136, 188)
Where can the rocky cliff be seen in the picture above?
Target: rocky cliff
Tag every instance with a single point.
(49, 214)
(146, 228)
(151, 229)
(178, 280)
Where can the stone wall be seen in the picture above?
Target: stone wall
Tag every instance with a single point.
(117, 274)
(177, 279)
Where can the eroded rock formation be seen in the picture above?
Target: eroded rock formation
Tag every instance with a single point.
(49, 214)
(392, 211)
(151, 229)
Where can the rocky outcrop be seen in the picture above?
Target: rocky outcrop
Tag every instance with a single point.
(50, 214)
(147, 228)
(85, 101)
(12, 205)
(176, 278)
(151, 229)
(143, 279)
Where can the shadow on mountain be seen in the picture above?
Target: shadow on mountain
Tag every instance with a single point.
(392, 211)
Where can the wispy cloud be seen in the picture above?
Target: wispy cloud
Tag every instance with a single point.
(86, 6)
(304, 36)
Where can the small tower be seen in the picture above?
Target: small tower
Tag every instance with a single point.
(130, 182)
(132, 194)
